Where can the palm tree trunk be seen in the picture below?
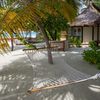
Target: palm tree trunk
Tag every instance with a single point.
(50, 59)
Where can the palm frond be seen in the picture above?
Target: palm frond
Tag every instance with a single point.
(33, 12)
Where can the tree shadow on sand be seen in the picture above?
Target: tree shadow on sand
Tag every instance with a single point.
(17, 77)
(79, 91)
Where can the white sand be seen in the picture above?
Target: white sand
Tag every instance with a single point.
(18, 74)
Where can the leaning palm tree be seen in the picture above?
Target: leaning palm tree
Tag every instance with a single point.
(23, 12)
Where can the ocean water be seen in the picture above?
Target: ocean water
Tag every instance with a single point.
(29, 34)
(24, 34)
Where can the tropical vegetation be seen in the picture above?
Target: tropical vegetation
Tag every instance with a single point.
(19, 15)
(93, 54)
(54, 24)
(75, 41)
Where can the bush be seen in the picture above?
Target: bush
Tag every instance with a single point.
(90, 56)
(75, 41)
(93, 45)
(98, 56)
(98, 65)
(93, 55)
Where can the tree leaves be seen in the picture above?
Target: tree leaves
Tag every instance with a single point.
(22, 15)
(54, 24)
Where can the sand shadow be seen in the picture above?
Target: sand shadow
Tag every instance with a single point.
(15, 79)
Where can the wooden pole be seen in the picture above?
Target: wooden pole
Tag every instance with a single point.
(82, 34)
(97, 34)
(92, 32)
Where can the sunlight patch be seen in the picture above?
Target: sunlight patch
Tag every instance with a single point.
(94, 88)
(69, 96)
(9, 58)
(74, 52)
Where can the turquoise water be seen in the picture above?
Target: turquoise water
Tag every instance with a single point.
(24, 34)
(29, 34)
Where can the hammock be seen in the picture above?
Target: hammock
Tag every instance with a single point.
(59, 84)
(72, 75)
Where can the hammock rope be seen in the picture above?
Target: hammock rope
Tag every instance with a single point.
(73, 76)
(32, 90)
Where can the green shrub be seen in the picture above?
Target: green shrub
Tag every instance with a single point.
(71, 39)
(98, 66)
(93, 55)
(75, 41)
(93, 45)
(90, 56)
(98, 56)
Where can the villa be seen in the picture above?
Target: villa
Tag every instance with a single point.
(86, 26)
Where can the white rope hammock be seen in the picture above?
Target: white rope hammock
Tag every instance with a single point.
(51, 86)
(72, 76)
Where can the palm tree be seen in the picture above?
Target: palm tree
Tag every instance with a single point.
(22, 12)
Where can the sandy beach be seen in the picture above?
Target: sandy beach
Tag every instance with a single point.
(19, 72)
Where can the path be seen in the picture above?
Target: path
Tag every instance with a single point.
(17, 76)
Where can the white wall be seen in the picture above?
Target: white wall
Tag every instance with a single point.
(87, 35)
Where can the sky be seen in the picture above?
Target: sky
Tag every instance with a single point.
(82, 6)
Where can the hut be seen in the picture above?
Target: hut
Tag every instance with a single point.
(86, 25)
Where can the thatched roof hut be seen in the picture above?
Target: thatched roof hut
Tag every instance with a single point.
(90, 16)
(86, 25)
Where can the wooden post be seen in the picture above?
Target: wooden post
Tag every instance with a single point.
(82, 34)
(92, 32)
(97, 34)
(63, 42)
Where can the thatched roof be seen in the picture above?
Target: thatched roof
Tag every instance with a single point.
(90, 16)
